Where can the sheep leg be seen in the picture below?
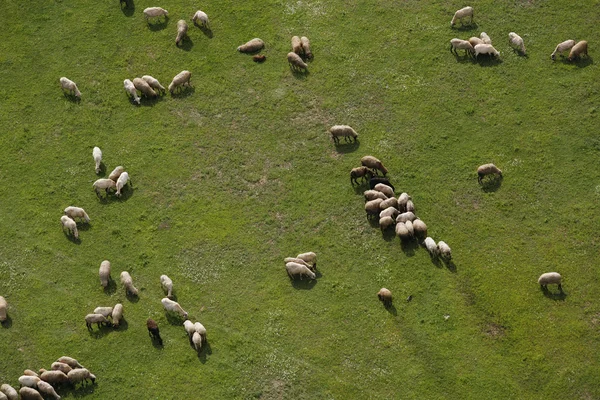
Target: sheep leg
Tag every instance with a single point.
(560, 287)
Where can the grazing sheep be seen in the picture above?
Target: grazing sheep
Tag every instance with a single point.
(402, 232)
(9, 391)
(310, 257)
(360, 172)
(182, 28)
(189, 327)
(59, 366)
(29, 372)
(251, 46)
(47, 389)
(420, 228)
(80, 375)
(486, 49)
(3, 306)
(95, 318)
(97, 154)
(114, 175)
(578, 50)
(128, 283)
(117, 315)
(201, 330)
(202, 17)
(385, 296)
(376, 179)
(180, 80)
(153, 330)
(155, 12)
(154, 83)
(70, 225)
(121, 182)
(385, 189)
(372, 207)
(410, 228)
(374, 164)
(3, 396)
(444, 251)
(462, 13)
(550, 278)
(389, 212)
(197, 341)
(562, 47)
(374, 194)
(475, 41)
(306, 47)
(410, 206)
(487, 169)
(297, 45)
(406, 216)
(71, 362)
(259, 58)
(391, 202)
(385, 222)
(295, 270)
(28, 393)
(346, 131)
(131, 91)
(173, 306)
(459, 44)
(106, 311)
(143, 87)
(55, 377)
(299, 261)
(486, 39)
(76, 212)
(105, 184)
(70, 86)
(516, 41)
(403, 201)
(296, 63)
(29, 381)
(104, 273)
(431, 247)
(167, 285)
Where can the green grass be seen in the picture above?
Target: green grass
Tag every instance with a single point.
(239, 173)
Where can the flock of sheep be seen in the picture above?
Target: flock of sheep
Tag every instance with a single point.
(304, 264)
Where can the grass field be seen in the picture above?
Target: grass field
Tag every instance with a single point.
(239, 172)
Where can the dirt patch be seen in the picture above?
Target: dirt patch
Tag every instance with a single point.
(164, 225)
(595, 320)
(495, 331)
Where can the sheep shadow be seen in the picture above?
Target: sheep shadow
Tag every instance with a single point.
(519, 53)
(435, 260)
(126, 192)
(72, 98)
(123, 326)
(183, 93)
(111, 288)
(303, 284)
(299, 73)
(583, 62)
(373, 221)
(204, 351)
(83, 226)
(156, 343)
(560, 296)
(129, 8)
(206, 30)
(466, 58)
(82, 390)
(149, 101)
(133, 298)
(360, 188)
(388, 234)
(488, 61)
(186, 44)
(465, 28)
(158, 26)
(491, 184)
(408, 247)
(7, 323)
(451, 266)
(391, 309)
(71, 237)
(345, 148)
(100, 332)
(174, 319)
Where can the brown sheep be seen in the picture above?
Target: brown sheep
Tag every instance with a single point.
(374, 164)
(487, 169)
(153, 330)
(385, 296)
(360, 172)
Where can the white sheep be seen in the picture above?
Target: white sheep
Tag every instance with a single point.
(182, 28)
(251, 46)
(97, 154)
(143, 87)
(114, 175)
(550, 278)
(131, 91)
(59, 366)
(121, 182)
(70, 86)
(310, 257)
(28, 393)
(3, 396)
(70, 225)
(29, 381)
(391, 202)
(105, 184)
(3, 307)
(374, 194)
(562, 47)
(372, 207)
(385, 222)
(297, 45)
(197, 341)
(95, 319)
(385, 189)
(297, 260)
(385, 296)
(80, 375)
(374, 164)
(402, 232)
(70, 361)
(475, 41)
(420, 228)
(406, 216)
(173, 306)
(155, 12)
(104, 273)
(105, 311)
(117, 315)
(30, 373)
(189, 327)
(444, 250)
(202, 17)
(167, 285)
(201, 330)
(402, 201)
(462, 13)
(459, 44)
(154, 83)
(306, 47)
(9, 391)
(295, 270)
(487, 169)
(344, 131)
(296, 63)
(180, 80)
(76, 212)
(486, 49)
(516, 41)
(128, 283)
(47, 389)
(485, 37)
(431, 247)
(54, 377)
(410, 228)
(578, 50)
(410, 206)
(389, 212)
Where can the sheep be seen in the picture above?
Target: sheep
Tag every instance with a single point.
(197, 341)
(170, 305)
(70, 225)
(306, 47)
(310, 257)
(154, 83)
(462, 13)
(516, 41)
(180, 80)
(59, 366)
(550, 278)
(131, 91)
(47, 389)
(385, 222)
(374, 194)
(389, 212)
(406, 216)
(182, 28)
(487, 169)
(3, 306)
(259, 58)
(459, 44)
(128, 283)
(121, 182)
(202, 17)
(296, 63)
(420, 228)
(54, 377)
(155, 12)
(376, 179)
(444, 250)
(143, 87)
(77, 212)
(410, 228)
(9, 391)
(97, 154)
(391, 202)
(372, 207)
(29, 381)
(403, 201)
(80, 375)
(105, 184)
(117, 315)
(346, 131)
(475, 41)
(167, 285)
(374, 164)
(562, 47)
(251, 46)
(578, 50)
(28, 393)
(385, 296)
(189, 327)
(95, 318)
(299, 261)
(486, 49)
(201, 330)
(295, 270)
(402, 232)
(153, 330)
(104, 273)
(385, 189)
(71, 362)
(431, 247)
(114, 175)
(485, 38)
(70, 86)
(3, 396)
(105, 311)
(297, 45)
(360, 172)
(29, 372)
(410, 206)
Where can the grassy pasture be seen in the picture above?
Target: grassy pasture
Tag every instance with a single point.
(238, 173)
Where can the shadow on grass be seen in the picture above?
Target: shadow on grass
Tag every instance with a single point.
(451, 266)
(464, 58)
(435, 261)
(129, 8)
(303, 284)
(204, 351)
(466, 28)
(71, 390)
(583, 62)
(299, 74)
(373, 221)
(126, 192)
(186, 44)
(156, 343)
(520, 53)
(133, 298)
(408, 247)
(391, 309)
(111, 288)
(72, 98)
(158, 26)
(71, 237)
(485, 60)
(360, 188)
(491, 184)
(102, 331)
(388, 234)
(102, 172)
(123, 326)
(7, 323)
(174, 319)
(207, 31)
(349, 147)
(184, 92)
(560, 296)
(83, 226)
